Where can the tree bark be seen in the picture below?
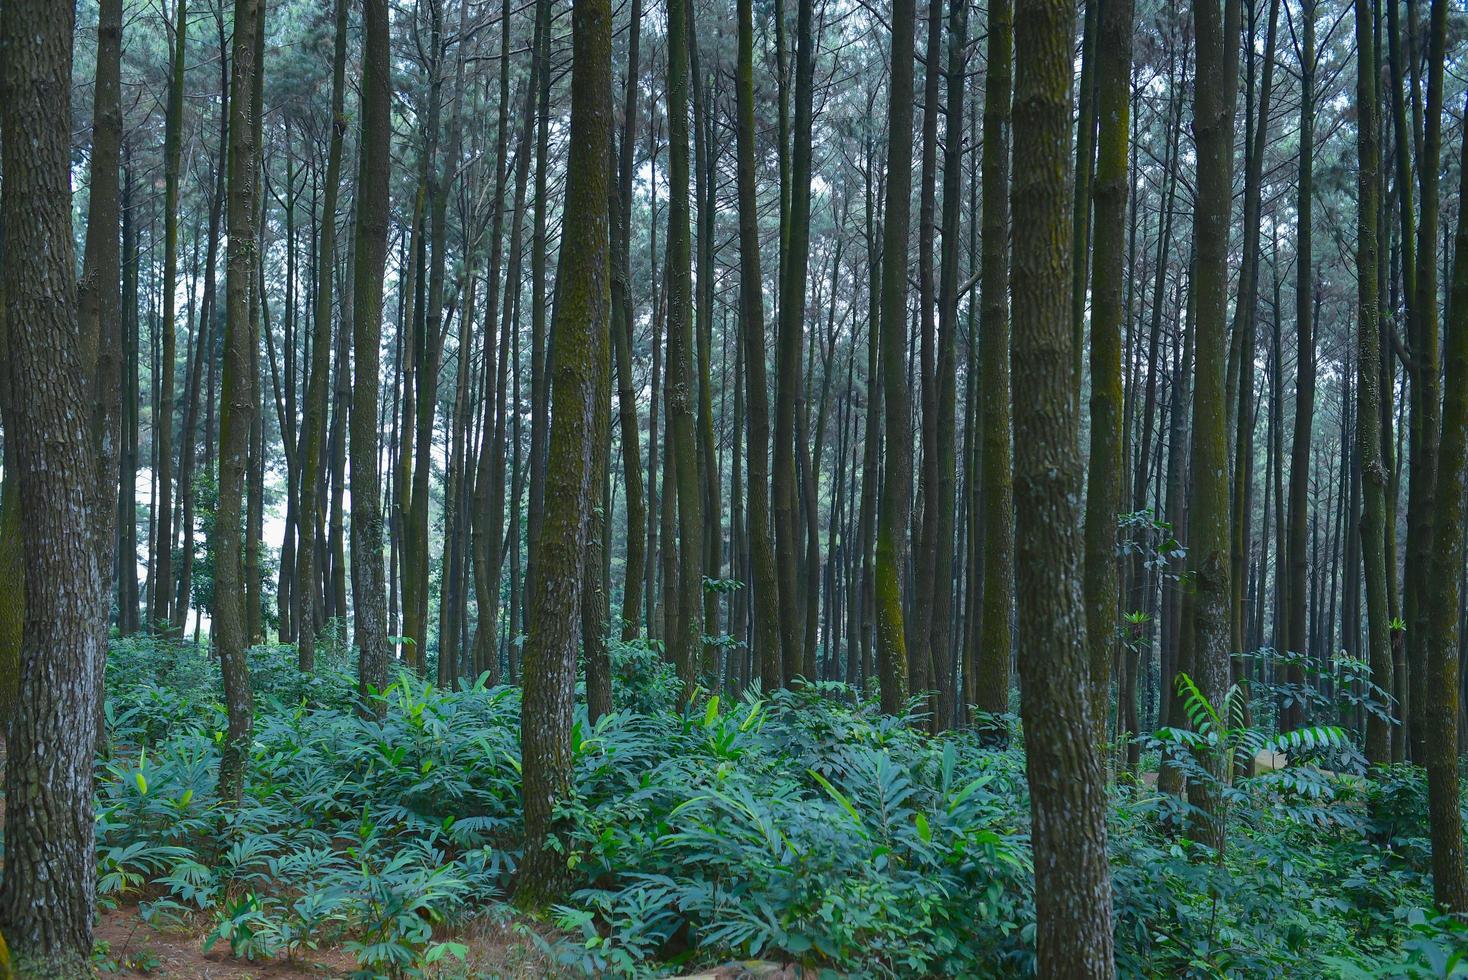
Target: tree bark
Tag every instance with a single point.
(48, 894)
(1067, 783)
(580, 329)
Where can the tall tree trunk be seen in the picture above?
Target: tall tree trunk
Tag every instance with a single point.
(623, 316)
(314, 430)
(895, 512)
(1213, 113)
(919, 652)
(683, 638)
(582, 319)
(943, 519)
(1368, 393)
(1423, 343)
(996, 476)
(99, 314)
(1066, 778)
(237, 404)
(1449, 878)
(47, 897)
(794, 256)
(160, 581)
(1104, 477)
(1295, 641)
(766, 642)
(369, 591)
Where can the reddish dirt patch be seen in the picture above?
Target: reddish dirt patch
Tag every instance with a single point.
(495, 949)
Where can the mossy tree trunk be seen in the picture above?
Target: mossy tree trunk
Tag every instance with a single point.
(580, 338)
(1066, 777)
(895, 510)
(1103, 478)
(1208, 517)
(1449, 874)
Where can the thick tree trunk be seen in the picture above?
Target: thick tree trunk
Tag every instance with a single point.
(1066, 777)
(1449, 876)
(1213, 113)
(48, 894)
(582, 321)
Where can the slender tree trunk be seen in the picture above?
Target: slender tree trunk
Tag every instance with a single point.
(1104, 478)
(369, 591)
(1296, 642)
(159, 582)
(623, 315)
(237, 404)
(895, 512)
(1209, 512)
(942, 521)
(314, 430)
(683, 637)
(996, 477)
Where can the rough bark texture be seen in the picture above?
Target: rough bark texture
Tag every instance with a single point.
(47, 899)
(683, 636)
(237, 405)
(895, 512)
(795, 255)
(1067, 782)
(1449, 874)
(1103, 478)
(582, 318)
(369, 590)
(1208, 514)
(313, 433)
(764, 581)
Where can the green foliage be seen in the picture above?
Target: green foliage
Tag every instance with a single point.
(799, 826)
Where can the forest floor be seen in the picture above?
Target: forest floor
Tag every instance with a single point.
(130, 946)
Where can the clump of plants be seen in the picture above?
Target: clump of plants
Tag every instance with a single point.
(798, 826)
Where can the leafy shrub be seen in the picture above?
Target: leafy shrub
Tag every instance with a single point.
(804, 825)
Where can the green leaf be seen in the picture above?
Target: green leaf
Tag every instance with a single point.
(840, 798)
(924, 831)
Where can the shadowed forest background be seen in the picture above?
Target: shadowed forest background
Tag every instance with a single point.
(895, 488)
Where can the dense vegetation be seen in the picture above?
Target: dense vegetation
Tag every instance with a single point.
(803, 826)
(899, 487)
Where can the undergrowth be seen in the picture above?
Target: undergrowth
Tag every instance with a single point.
(799, 826)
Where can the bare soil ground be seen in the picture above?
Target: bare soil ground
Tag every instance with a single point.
(136, 948)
